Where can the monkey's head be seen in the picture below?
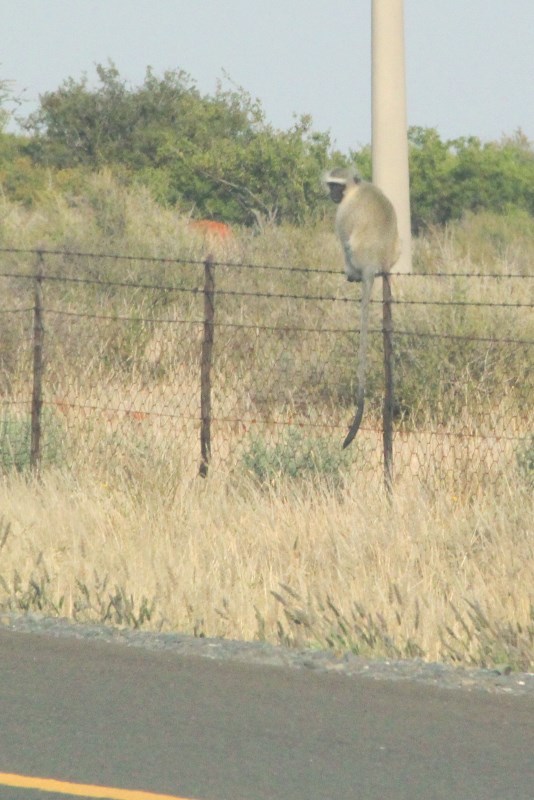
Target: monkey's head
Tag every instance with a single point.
(339, 180)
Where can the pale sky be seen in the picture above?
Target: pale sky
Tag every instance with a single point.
(470, 63)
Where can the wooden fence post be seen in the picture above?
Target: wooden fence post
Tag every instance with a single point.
(387, 415)
(205, 366)
(37, 392)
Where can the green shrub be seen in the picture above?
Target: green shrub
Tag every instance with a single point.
(297, 457)
(15, 441)
(15, 438)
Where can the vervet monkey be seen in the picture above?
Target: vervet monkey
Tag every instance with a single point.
(366, 225)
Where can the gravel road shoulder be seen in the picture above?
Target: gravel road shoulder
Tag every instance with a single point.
(487, 680)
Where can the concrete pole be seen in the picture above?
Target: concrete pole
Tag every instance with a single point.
(389, 126)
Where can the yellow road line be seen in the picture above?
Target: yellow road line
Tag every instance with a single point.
(79, 789)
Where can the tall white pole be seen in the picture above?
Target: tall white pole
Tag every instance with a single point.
(389, 126)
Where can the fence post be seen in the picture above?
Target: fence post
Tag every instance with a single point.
(205, 366)
(387, 415)
(37, 391)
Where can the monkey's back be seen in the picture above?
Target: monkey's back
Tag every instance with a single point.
(367, 225)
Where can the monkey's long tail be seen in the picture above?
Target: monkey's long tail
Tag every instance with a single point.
(353, 430)
(362, 362)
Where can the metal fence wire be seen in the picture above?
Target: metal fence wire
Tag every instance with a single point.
(117, 362)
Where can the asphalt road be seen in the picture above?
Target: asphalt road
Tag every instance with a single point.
(101, 713)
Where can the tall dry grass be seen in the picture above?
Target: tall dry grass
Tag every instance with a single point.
(435, 577)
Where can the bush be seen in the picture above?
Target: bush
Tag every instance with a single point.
(215, 154)
(15, 441)
(450, 178)
(296, 457)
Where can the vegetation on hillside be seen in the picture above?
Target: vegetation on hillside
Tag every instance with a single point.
(216, 156)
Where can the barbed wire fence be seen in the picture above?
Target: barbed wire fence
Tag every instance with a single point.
(122, 361)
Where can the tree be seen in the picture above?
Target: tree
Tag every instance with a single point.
(451, 177)
(216, 154)
(494, 175)
(430, 169)
(217, 157)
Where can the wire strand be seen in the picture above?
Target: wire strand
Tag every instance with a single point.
(244, 265)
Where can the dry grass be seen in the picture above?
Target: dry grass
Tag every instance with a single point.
(435, 577)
